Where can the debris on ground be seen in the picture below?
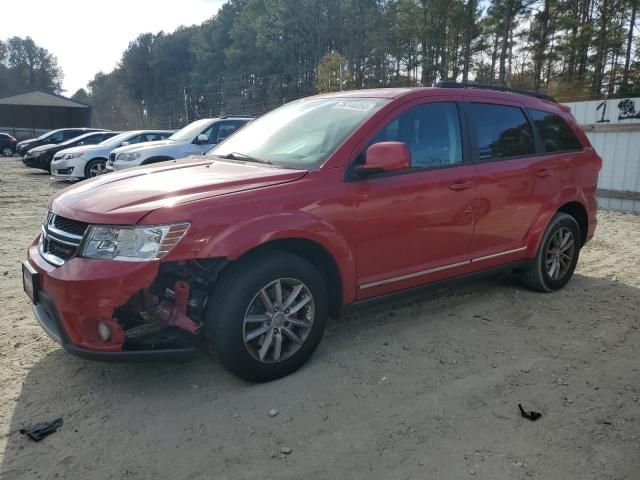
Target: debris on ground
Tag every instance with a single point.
(41, 430)
(273, 412)
(532, 415)
(285, 450)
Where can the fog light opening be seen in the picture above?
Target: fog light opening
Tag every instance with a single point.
(104, 331)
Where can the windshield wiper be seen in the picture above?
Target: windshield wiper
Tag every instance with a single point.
(244, 158)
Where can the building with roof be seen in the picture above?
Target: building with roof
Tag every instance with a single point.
(29, 113)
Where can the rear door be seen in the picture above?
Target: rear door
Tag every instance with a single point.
(505, 155)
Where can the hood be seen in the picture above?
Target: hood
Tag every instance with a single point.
(27, 141)
(140, 147)
(82, 148)
(42, 148)
(126, 197)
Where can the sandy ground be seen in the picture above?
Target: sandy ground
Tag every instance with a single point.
(424, 388)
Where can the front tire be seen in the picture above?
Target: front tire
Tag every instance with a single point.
(7, 151)
(557, 255)
(95, 167)
(267, 315)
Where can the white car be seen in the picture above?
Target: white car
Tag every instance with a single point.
(90, 160)
(196, 138)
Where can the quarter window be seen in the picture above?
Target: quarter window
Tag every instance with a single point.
(501, 131)
(432, 133)
(556, 135)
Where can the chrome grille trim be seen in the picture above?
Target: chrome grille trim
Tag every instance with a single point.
(58, 246)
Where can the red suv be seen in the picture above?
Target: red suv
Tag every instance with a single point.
(325, 202)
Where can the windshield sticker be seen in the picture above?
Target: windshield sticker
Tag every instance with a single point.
(358, 106)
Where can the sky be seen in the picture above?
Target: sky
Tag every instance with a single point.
(89, 36)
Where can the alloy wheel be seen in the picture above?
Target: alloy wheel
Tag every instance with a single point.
(278, 320)
(97, 169)
(7, 151)
(560, 253)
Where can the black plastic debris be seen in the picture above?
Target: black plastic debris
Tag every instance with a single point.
(532, 415)
(40, 430)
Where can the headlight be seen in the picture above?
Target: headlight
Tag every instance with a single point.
(69, 156)
(128, 157)
(132, 243)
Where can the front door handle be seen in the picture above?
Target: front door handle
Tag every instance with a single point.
(463, 185)
(544, 173)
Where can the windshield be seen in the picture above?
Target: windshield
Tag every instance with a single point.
(301, 134)
(48, 134)
(190, 131)
(118, 139)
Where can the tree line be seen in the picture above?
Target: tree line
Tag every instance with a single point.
(27, 66)
(253, 55)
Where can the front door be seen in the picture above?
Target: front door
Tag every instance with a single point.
(416, 227)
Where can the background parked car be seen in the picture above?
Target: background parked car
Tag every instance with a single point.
(7, 144)
(53, 137)
(88, 161)
(194, 139)
(41, 157)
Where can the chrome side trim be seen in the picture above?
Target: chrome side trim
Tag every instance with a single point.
(487, 257)
(413, 275)
(438, 269)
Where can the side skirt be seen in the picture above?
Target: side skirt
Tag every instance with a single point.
(449, 282)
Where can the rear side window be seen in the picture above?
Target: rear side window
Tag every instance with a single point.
(501, 131)
(556, 134)
(432, 133)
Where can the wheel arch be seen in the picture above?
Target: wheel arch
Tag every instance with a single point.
(317, 255)
(579, 213)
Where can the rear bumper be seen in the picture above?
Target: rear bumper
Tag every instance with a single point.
(74, 297)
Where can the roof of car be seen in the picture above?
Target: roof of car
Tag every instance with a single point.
(475, 93)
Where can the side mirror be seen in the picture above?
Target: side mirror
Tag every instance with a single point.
(124, 144)
(80, 143)
(202, 139)
(385, 157)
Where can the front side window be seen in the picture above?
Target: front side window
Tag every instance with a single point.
(432, 133)
(556, 135)
(56, 137)
(69, 134)
(225, 130)
(302, 134)
(501, 131)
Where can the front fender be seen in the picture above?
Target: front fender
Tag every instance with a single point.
(238, 239)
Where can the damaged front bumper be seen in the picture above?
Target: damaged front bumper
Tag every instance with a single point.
(144, 309)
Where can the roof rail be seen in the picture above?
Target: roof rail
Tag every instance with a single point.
(498, 88)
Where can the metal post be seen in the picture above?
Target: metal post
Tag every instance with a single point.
(186, 110)
(340, 74)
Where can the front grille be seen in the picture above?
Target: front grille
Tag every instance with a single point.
(61, 238)
(69, 226)
(64, 171)
(112, 158)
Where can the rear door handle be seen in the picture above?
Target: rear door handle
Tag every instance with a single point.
(459, 186)
(544, 173)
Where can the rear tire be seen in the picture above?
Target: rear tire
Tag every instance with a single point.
(95, 167)
(7, 151)
(262, 339)
(557, 255)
